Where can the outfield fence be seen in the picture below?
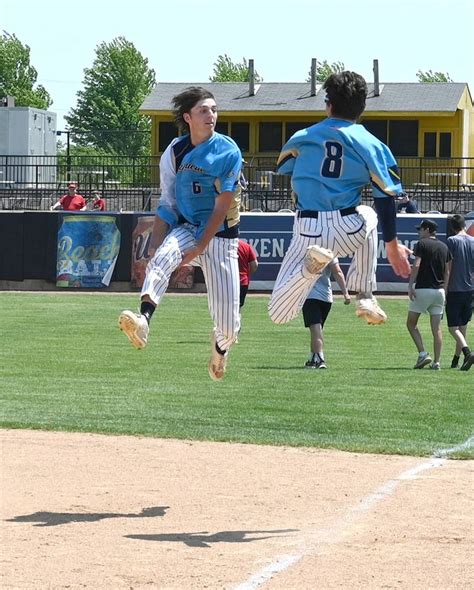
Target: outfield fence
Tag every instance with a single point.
(127, 183)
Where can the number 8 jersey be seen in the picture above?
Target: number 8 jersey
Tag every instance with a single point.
(332, 161)
(191, 177)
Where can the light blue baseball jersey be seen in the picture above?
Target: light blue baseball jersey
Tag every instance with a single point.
(191, 177)
(332, 161)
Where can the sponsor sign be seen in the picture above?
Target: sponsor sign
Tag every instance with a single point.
(88, 246)
(270, 235)
(182, 278)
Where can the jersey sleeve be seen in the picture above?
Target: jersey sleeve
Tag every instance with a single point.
(230, 175)
(286, 159)
(384, 173)
(167, 208)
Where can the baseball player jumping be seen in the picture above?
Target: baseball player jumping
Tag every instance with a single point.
(330, 163)
(197, 223)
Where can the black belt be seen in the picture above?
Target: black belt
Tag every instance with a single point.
(315, 214)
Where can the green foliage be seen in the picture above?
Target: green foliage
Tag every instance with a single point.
(68, 367)
(106, 116)
(430, 77)
(18, 77)
(225, 70)
(324, 70)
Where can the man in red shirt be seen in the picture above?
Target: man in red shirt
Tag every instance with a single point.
(248, 264)
(72, 201)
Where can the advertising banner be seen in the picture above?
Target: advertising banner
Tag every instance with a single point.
(270, 235)
(182, 278)
(88, 246)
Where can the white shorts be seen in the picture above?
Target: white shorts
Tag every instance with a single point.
(428, 301)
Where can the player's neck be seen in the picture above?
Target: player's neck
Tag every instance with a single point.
(197, 138)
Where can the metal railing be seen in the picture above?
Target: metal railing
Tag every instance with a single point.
(37, 182)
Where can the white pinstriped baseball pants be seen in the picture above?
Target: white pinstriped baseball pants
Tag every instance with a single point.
(352, 235)
(220, 267)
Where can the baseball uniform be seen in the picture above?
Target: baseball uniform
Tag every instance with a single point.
(329, 164)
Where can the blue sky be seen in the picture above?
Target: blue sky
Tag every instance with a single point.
(182, 39)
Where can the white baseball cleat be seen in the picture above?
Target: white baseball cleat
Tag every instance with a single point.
(218, 362)
(135, 327)
(370, 311)
(317, 258)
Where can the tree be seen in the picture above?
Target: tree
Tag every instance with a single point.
(18, 76)
(324, 70)
(106, 116)
(431, 77)
(225, 70)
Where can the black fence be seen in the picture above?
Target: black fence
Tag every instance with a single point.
(132, 184)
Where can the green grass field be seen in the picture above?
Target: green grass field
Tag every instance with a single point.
(66, 366)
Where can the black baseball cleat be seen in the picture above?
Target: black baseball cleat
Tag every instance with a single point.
(468, 361)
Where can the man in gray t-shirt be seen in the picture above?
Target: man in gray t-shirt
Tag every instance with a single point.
(459, 298)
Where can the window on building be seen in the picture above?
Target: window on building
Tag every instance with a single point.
(445, 145)
(167, 132)
(403, 138)
(270, 135)
(222, 127)
(429, 145)
(378, 128)
(292, 128)
(240, 133)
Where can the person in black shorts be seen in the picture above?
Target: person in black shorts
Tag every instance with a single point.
(316, 309)
(459, 299)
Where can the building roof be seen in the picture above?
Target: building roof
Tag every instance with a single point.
(294, 97)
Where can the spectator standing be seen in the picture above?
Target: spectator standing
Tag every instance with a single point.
(427, 290)
(98, 203)
(316, 309)
(459, 299)
(71, 201)
(248, 265)
(197, 223)
(330, 163)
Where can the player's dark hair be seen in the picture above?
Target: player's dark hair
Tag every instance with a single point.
(184, 102)
(346, 91)
(458, 223)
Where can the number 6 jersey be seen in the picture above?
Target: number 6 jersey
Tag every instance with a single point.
(191, 177)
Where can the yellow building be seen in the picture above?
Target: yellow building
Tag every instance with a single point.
(427, 125)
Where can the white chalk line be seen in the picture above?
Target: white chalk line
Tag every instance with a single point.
(314, 540)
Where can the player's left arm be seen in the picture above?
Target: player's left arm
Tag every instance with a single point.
(386, 185)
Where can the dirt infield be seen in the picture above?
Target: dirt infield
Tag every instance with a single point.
(91, 511)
